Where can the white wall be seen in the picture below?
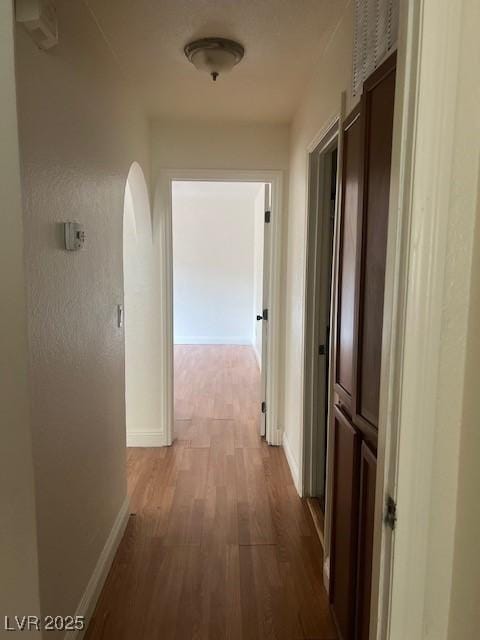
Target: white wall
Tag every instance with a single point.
(142, 317)
(436, 570)
(258, 239)
(80, 131)
(19, 589)
(453, 561)
(213, 249)
(464, 618)
(319, 106)
(206, 145)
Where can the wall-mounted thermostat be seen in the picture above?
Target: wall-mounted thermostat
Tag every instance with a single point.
(74, 236)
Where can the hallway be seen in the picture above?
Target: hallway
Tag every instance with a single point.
(220, 545)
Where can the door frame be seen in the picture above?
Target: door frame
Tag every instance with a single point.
(265, 304)
(321, 141)
(163, 229)
(319, 183)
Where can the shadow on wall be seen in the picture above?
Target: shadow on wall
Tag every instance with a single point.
(141, 316)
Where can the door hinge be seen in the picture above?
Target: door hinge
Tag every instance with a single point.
(267, 216)
(265, 314)
(322, 350)
(264, 407)
(390, 518)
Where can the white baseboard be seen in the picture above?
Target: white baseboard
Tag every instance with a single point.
(213, 340)
(294, 470)
(99, 575)
(145, 439)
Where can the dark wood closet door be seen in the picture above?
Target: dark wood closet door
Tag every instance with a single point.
(368, 471)
(347, 259)
(362, 248)
(377, 124)
(343, 565)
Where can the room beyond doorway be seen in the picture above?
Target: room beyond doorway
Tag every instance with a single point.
(267, 318)
(218, 294)
(217, 231)
(217, 395)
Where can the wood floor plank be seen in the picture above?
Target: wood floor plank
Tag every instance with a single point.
(220, 547)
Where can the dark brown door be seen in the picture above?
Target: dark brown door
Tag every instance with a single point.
(366, 520)
(377, 124)
(363, 227)
(344, 526)
(343, 567)
(347, 259)
(377, 129)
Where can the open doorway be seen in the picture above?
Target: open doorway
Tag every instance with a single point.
(163, 221)
(321, 218)
(219, 307)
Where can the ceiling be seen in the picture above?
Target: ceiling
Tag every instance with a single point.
(283, 39)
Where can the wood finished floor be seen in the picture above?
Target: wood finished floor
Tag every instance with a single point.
(220, 546)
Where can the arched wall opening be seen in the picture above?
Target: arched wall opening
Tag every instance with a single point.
(141, 317)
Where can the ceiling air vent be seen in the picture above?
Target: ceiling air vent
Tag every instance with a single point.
(39, 17)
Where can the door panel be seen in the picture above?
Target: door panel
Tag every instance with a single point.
(368, 471)
(377, 117)
(347, 258)
(344, 524)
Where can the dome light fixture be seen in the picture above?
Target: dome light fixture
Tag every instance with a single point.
(214, 55)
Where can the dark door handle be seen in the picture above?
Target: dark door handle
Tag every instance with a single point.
(259, 317)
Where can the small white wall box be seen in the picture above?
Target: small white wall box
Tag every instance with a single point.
(39, 17)
(74, 236)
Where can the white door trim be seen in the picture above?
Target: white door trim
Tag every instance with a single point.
(265, 305)
(318, 214)
(163, 226)
(323, 139)
(415, 299)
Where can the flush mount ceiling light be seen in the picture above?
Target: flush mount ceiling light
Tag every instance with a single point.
(215, 55)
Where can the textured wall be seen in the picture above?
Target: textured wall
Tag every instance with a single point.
(190, 145)
(456, 480)
(19, 593)
(464, 620)
(80, 131)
